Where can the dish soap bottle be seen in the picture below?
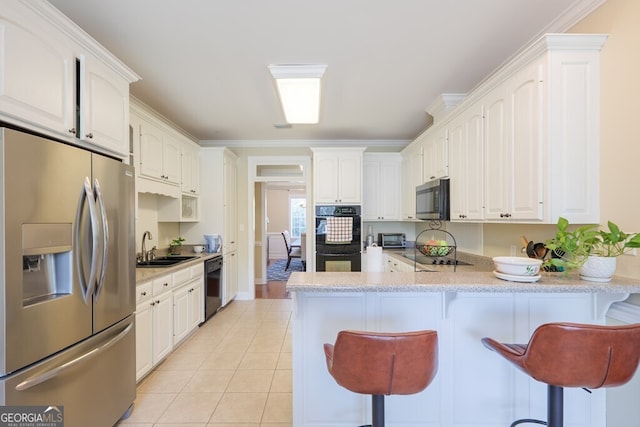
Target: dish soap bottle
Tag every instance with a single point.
(370, 237)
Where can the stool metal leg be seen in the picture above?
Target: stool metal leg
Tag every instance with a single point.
(555, 405)
(377, 401)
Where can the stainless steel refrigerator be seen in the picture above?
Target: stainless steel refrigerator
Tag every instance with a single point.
(67, 281)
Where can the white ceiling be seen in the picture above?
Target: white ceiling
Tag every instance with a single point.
(204, 62)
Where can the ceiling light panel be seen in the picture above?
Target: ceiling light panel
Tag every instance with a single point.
(299, 89)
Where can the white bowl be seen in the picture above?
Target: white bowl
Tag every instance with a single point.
(198, 249)
(517, 265)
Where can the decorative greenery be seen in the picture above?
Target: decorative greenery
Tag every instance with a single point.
(574, 247)
(174, 245)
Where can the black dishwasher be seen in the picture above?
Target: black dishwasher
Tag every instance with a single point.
(213, 285)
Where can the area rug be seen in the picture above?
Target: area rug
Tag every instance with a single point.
(275, 271)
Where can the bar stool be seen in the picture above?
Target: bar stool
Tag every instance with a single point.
(379, 364)
(573, 355)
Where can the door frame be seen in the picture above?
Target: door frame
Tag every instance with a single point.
(253, 162)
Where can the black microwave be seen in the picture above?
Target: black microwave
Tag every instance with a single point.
(432, 200)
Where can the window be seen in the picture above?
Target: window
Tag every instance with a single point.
(298, 216)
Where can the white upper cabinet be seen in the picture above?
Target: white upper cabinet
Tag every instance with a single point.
(104, 106)
(190, 169)
(381, 187)
(37, 75)
(525, 144)
(160, 154)
(45, 58)
(411, 178)
(436, 154)
(337, 175)
(466, 146)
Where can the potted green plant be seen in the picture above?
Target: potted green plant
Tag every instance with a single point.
(590, 249)
(175, 246)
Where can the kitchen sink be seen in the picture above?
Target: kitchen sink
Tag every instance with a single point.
(165, 261)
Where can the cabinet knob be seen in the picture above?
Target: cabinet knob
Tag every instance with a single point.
(89, 135)
(152, 303)
(143, 293)
(165, 285)
(72, 130)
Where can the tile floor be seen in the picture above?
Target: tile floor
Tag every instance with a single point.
(234, 371)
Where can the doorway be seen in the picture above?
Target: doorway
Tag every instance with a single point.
(284, 172)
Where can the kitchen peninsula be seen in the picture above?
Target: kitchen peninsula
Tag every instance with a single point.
(473, 386)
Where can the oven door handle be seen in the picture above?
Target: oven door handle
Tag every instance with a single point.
(338, 255)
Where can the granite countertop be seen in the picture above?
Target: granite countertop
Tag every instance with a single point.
(460, 281)
(145, 274)
(478, 277)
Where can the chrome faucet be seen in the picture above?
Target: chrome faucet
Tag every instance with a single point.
(145, 255)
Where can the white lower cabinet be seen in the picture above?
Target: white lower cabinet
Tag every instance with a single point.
(187, 309)
(229, 277)
(154, 323)
(168, 309)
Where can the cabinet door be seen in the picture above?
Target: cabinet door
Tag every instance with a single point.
(326, 177)
(474, 148)
(171, 159)
(151, 151)
(371, 203)
(350, 178)
(144, 339)
(180, 313)
(436, 162)
(390, 189)
(104, 107)
(229, 240)
(526, 170)
(497, 155)
(230, 278)
(196, 303)
(458, 169)
(190, 170)
(162, 326)
(36, 76)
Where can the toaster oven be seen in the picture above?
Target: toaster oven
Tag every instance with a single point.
(392, 240)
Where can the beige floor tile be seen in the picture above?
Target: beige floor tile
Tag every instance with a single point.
(259, 361)
(191, 408)
(284, 361)
(265, 346)
(281, 382)
(278, 409)
(276, 425)
(161, 381)
(240, 408)
(200, 344)
(149, 407)
(222, 361)
(183, 361)
(251, 380)
(209, 381)
(180, 425)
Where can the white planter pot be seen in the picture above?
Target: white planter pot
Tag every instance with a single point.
(598, 269)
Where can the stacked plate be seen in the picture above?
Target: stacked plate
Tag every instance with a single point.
(517, 269)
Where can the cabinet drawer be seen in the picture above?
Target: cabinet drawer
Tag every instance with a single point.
(197, 270)
(162, 284)
(181, 276)
(143, 292)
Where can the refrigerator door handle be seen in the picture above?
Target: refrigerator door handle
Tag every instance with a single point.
(105, 239)
(87, 286)
(39, 379)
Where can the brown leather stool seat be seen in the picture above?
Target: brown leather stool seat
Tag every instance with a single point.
(379, 364)
(573, 355)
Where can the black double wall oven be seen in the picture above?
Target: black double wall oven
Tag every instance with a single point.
(338, 238)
